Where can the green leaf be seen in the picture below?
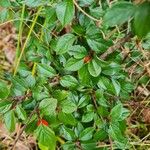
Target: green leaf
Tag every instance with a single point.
(116, 135)
(112, 69)
(68, 106)
(141, 23)
(46, 137)
(60, 94)
(118, 113)
(64, 43)
(5, 3)
(86, 134)
(85, 3)
(101, 135)
(65, 11)
(127, 86)
(79, 30)
(100, 98)
(10, 120)
(84, 100)
(20, 84)
(42, 147)
(4, 91)
(21, 112)
(79, 128)
(119, 13)
(46, 70)
(68, 81)
(88, 117)
(30, 79)
(103, 111)
(73, 64)
(98, 45)
(84, 75)
(69, 145)
(78, 51)
(32, 125)
(94, 68)
(33, 3)
(5, 106)
(4, 15)
(94, 33)
(90, 145)
(67, 119)
(97, 12)
(46, 36)
(48, 106)
(103, 82)
(40, 93)
(68, 134)
(117, 87)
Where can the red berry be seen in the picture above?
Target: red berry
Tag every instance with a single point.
(87, 59)
(43, 122)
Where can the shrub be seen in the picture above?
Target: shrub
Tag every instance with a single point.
(69, 80)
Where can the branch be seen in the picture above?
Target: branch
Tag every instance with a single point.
(113, 48)
(19, 99)
(24, 126)
(26, 41)
(89, 16)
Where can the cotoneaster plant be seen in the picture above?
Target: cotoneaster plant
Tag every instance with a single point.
(69, 81)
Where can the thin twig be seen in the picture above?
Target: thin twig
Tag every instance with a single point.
(20, 34)
(111, 143)
(116, 46)
(20, 98)
(24, 46)
(24, 126)
(89, 16)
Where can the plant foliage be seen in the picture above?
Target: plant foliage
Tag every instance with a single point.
(62, 90)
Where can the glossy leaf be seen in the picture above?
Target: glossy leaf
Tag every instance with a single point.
(48, 106)
(94, 68)
(33, 3)
(98, 45)
(46, 137)
(117, 86)
(4, 91)
(118, 113)
(68, 134)
(84, 100)
(78, 51)
(46, 70)
(10, 120)
(5, 106)
(86, 134)
(65, 11)
(21, 112)
(116, 135)
(88, 117)
(5, 3)
(64, 43)
(67, 119)
(141, 23)
(73, 64)
(68, 106)
(122, 11)
(68, 81)
(84, 75)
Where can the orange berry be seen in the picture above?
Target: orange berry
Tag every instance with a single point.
(43, 122)
(87, 59)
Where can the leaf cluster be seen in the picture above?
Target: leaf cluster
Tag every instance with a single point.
(61, 79)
